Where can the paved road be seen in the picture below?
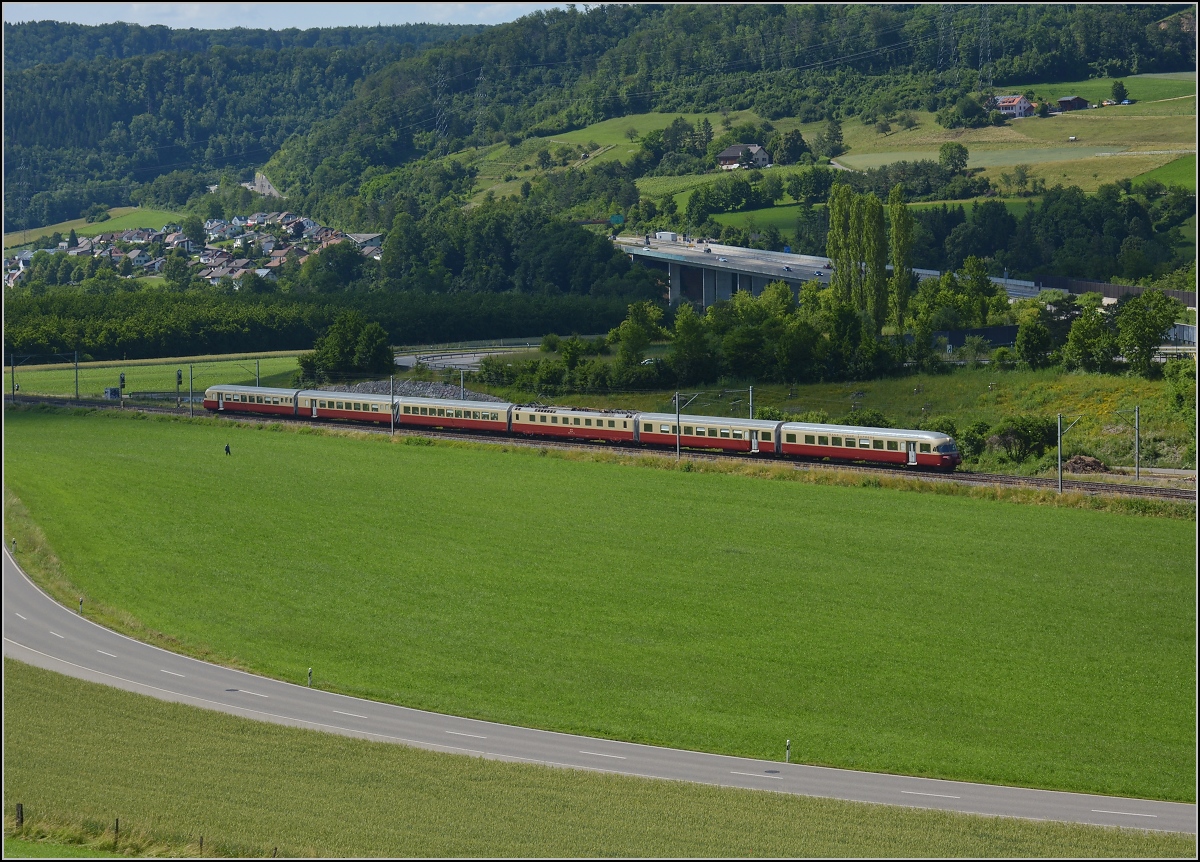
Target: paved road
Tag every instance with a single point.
(39, 631)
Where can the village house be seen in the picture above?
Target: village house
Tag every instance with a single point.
(366, 240)
(1015, 107)
(730, 158)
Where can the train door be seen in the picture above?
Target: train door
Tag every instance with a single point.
(912, 452)
(220, 400)
(314, 407)
(396, 412)
(754, 442)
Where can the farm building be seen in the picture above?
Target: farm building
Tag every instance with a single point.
(1072, 103)
(730, 158)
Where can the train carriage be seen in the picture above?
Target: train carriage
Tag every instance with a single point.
(573, 423)
(448, 413)
(348, 406)
(250, 399)
(709, 432)
(898, 446)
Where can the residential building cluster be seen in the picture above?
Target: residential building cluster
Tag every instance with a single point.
(260, 243)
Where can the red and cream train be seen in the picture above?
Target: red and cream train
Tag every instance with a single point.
(901, 447)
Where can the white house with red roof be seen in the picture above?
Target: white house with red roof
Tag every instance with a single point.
(1014, 107)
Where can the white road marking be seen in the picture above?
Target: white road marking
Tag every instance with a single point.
(171, 672)
(756, 775)
(354, 714)
(919, 793)
(102, 652)
(1126, 813)
(472, 735)
(255, 693)
(598, 754)
(57, 635)
(20, 616)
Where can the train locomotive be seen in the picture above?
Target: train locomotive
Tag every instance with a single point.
(891, 446)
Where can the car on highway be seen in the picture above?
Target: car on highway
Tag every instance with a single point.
(787, 268)
(723, 259)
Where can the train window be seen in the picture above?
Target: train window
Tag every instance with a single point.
(850, 442)
(737, 435)
(624, 424)
(893, 445)
(542, 418)
(864, 443)
(407, 409)
(441, 411)
(374, 408)
(810, 439)
(647, 427)
(664, 429)
(712, 432)
(725, 433)
(339, 405)
(553, 420)
(576, 420)
(822, 440)
(700, 432)
(837, 441)
(877, 444)
(791, 438)
(925, 447)
(688, 430)
(766, 435)
(612, 423)
(587, 422)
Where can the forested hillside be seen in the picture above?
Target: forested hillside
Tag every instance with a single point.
(557, 70)
(93, 127)
(33, 42)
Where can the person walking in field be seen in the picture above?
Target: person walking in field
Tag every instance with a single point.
(226, 448)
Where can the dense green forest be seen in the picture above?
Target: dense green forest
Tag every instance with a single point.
(35, 42)
(92, 131)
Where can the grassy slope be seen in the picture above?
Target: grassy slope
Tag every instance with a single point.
(964, 395)
(156, 376)
(701, 611)
(123, 218)
(309, 793)
(1181, 172)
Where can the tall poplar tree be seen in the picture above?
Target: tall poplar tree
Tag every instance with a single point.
(874, 256)
(838, 242)
(901, 283)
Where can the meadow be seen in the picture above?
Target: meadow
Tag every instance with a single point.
(121, 218)
(1180, 172)
(155, 764)
(154, 375)
(875, 628)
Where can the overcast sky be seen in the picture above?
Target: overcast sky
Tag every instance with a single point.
(271, 16)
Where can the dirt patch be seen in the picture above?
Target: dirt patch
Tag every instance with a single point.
(1084, 464)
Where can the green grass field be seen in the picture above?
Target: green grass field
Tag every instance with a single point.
(158, 765)
(1181, 172)
(156, 375)
(879, 630)
(123, 218)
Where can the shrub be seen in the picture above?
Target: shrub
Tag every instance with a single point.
(1024, 435)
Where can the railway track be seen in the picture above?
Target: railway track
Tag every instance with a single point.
(963, 477)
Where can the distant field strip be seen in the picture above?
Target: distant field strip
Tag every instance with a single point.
(156, 764)
(903, 633)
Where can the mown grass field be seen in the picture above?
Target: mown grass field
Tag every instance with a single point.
(875, 629)
(1180, 172)
(156, 764)
(156, 375)
(122, 218)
